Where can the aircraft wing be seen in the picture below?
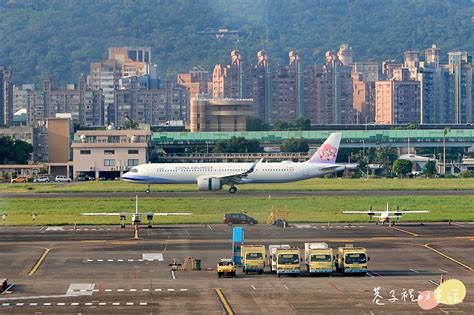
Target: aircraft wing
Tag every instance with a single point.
(408, 211)
(236, 176)
(171, 213)
(363, 212)
(105, 213)
(133, 213)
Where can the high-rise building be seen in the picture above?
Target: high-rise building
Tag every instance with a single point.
(345, 54)
(369, 70)
(208, 114)
(388, 66)
(196, 81)
(364, 99)
(6, 96)
(334, 92)
(156, 107)
(460, 66)
(84, 104)
(114, 73)
(398, 99)
(228, 80)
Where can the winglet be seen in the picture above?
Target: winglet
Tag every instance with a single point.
(254, 165)
(327, 152)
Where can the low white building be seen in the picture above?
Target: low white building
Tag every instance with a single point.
(109, 153)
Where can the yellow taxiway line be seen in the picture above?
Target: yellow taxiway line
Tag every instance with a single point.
(448, 257)
(40, 260)
(228, 309)
(404, 231)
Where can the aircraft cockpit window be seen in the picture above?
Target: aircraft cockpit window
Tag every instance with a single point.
(134, 170)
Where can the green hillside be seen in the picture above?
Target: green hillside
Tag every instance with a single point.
(60, 38)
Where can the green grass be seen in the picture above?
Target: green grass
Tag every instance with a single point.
(317, 184)
(212, 210)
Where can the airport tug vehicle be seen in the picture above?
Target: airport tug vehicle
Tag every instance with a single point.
(352, 260)
(226, 267)
(318, 258)
(253, 258)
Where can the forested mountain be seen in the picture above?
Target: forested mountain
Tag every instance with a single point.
(61, 37)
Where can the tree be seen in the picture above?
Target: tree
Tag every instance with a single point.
(280, 126)
(402, 167)
(302, 124)
(430, 168)
(130, 124)
(14, 151)
(256, 124)
(385, 156)
(237, 145)
(295, 145)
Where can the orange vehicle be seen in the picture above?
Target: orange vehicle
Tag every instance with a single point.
(19, 180)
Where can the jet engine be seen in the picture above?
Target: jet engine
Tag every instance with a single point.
(209, 183)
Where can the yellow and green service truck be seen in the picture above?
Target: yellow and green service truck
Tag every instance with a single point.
(253, 258)
(352, 260)
(318, 258)
(288, 261)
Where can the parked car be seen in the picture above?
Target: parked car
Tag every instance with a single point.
(239, 218)
(19, 180)
(82, 178)
(62, 179)
(42, 179)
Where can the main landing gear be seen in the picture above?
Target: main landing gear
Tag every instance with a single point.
(147, 189)
(232, 189)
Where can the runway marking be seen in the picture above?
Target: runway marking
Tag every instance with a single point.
(442, 270)
(415, 271)
(145, 290)
(404, 231)
(47, 304)
(152, 256)
(93, 241)
(116, 303)
(33, 304)
(253, 287)
(433, 282)
(170, 290)
(88, 304)
(108, 290)
(448, 257)
(183, 290)
(133, 290)
(120, 290)
(102, 303)
(334, 286)
(74, 304)
(464, 237)
(129, 303)
(61, 304)
(173, 274)
(20, 304)
(143, 303)
(456, 224)
(370, 275)
(285, 287)
(40, 260)
(5, 304)
(225, 304)
(157, 290)
(209, 226)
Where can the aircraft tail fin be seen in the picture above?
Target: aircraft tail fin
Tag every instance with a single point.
(327, 152)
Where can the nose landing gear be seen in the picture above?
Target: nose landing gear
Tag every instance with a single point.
(147, 189)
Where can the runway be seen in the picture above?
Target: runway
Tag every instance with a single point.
(102, 269)
(253, 193)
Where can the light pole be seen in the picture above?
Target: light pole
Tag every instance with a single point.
(445, 132)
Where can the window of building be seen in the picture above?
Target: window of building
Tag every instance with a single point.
(132, 151)
(108, 162)
(132, 162)
(85, 151)
(109, 152)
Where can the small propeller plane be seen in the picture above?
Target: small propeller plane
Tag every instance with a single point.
(136, 216)
(387, 215)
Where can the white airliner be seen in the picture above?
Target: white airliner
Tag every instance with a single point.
(213, 176)
(386, 216)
